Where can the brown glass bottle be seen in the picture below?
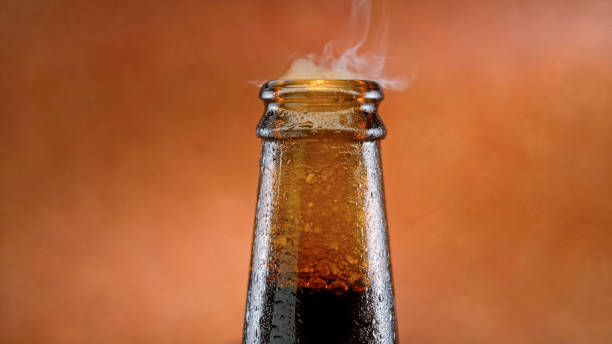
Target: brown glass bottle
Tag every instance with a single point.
(320, 268)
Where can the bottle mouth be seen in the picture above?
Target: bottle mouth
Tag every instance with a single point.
(313, 109)
(317, 90)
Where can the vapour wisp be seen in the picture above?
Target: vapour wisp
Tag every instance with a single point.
(359, 52)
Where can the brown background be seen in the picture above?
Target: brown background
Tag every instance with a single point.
(128, 167)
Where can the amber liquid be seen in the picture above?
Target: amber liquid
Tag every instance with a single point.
(319, 224)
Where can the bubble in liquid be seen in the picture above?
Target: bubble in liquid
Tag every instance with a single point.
(316, 284)
(337, 287)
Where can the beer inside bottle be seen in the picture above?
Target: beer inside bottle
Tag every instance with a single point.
(320, 268)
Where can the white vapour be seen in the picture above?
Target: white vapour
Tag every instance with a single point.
(352, 63)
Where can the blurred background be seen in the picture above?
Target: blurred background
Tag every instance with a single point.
(128, 166)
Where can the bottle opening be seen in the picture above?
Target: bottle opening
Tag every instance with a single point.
(312, 90)
(313, 109)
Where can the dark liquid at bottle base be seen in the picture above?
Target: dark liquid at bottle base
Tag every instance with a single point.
(308, 316)
(326, 317)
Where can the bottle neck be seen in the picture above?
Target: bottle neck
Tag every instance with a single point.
(321, 110)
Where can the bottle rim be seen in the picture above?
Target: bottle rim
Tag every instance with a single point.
(347, 89)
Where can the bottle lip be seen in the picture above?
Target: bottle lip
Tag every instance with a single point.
(347, 89)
